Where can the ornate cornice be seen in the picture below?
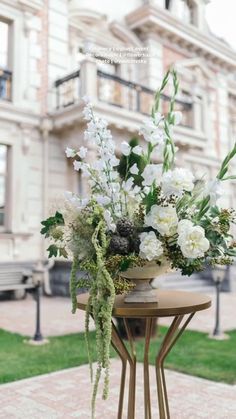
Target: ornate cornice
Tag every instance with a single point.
(149, 18)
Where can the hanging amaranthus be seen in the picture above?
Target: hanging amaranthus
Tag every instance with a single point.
(100, 305)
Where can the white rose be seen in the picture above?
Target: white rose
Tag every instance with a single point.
(162, 219)
(125, 148)
(134, 169)
(70, 152)
(192, 240)
(150, 247)
(175, 182)
(152, 172)
(184, 225)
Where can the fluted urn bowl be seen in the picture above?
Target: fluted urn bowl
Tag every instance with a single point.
(143, 292)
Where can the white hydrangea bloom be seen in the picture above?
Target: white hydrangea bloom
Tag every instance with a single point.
(175, 182)
(134, 169)
(151, 173)
(162, 219)
(125, 148)
(137, 150)
(192, 240)
(70, 152)
(82, 152)
(150, 247)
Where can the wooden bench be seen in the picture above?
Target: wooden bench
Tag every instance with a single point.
(16, 278)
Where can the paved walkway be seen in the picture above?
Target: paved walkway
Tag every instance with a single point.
(19, 316)
(66, 394)
(56, 317)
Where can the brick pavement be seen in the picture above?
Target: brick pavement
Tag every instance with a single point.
(66, 394)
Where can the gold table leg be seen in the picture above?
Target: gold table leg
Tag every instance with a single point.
(173, 334)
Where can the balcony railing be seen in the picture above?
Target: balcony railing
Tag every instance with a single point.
(137, 98)
(118, 92)
(5, 84)
(67, 90)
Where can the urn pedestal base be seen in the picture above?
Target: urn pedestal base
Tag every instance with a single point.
(142, 293)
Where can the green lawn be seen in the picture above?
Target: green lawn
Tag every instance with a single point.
(194, 354)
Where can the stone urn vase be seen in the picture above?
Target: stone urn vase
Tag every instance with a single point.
(143, 292)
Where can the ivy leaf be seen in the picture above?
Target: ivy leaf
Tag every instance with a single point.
(52, 250)
(50, 222)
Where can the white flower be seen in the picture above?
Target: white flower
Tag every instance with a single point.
(114, 161)
(151, 132)
(125, 148)
(158, 117)
(70, 152)
(82, 152)
(151, 173)
(128, 184)
(134, 169)
(137, 150)
(177, 116)
(103, 200)
(192, 240)
(184, 225)
(150, 247)
(86, 99)
(109, 221)
(75, 200)
(162, 219)
(77, 165)
(215, 190)
(177, 181)
(87, 113)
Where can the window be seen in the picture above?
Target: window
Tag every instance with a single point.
(3, 183)
(5, 73)
(167, 4)
(4, 44)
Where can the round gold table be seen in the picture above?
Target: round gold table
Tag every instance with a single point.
(181, 306)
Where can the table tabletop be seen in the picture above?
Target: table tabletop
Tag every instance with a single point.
(170, 303)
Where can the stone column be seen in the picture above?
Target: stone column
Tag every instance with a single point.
(151, 73)
(88, 78)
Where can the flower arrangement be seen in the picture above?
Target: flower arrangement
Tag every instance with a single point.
(141, 209)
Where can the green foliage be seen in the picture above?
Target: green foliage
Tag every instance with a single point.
(54, 221)
(54, 250)
(102, 295)
(127, 161)
(151, 198)
(225, 165)
(73, 283)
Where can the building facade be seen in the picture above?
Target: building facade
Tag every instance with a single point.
(53, 52)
